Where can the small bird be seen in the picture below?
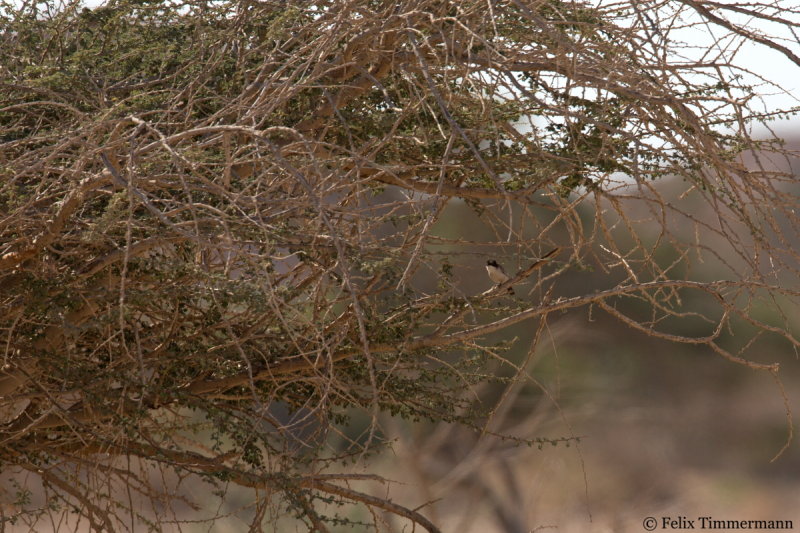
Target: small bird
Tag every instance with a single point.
(497, 274)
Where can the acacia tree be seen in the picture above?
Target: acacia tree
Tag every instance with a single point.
(218, 218)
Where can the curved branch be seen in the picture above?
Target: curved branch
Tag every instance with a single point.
(371, 501)
(70, 204)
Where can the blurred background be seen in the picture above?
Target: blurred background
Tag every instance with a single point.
(666, 429)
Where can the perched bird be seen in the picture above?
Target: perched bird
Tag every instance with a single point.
(497, 274)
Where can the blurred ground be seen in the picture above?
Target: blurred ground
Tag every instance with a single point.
(667, 432)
